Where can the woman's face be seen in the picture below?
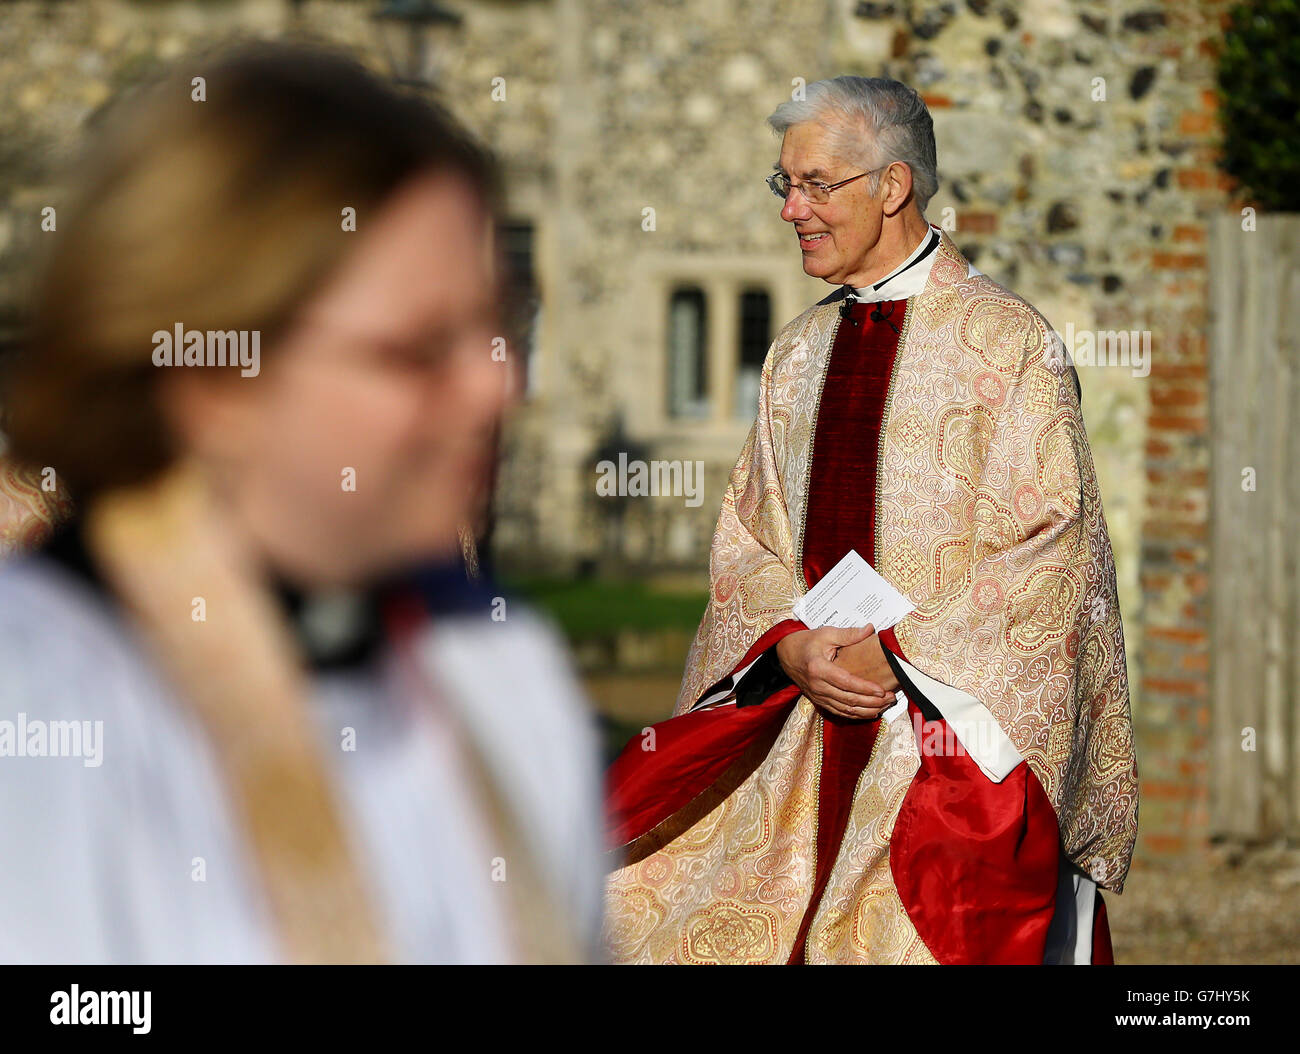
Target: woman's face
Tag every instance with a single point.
(369, 435)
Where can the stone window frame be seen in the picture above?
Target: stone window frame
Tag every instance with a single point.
(723, 278)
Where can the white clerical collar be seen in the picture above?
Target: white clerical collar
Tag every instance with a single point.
(905, 280)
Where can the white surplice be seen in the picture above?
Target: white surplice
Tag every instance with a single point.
(137, 859)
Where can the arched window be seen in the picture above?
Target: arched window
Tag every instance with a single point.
(523, 301)
(755, 339)
(688, 353)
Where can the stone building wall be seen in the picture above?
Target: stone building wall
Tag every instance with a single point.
(1075, 149)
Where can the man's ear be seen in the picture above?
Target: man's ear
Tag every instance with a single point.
(208, 415)
(896, 187)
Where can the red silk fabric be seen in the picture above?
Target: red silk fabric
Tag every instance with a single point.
(975, 862)
(645, 787)
(890, 641)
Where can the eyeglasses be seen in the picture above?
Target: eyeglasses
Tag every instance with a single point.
(814, 190)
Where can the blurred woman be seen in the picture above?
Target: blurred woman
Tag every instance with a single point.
(250, 707)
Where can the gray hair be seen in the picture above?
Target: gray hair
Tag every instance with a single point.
(871, 121)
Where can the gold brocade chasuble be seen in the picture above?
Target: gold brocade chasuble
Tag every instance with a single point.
(989, 519)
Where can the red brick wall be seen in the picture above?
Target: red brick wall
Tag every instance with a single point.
(1172, 669)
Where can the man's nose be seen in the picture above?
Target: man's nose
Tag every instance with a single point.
(795, 207)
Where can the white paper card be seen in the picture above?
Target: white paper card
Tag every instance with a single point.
(852, 594)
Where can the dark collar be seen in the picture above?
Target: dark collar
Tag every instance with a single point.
(335, 630)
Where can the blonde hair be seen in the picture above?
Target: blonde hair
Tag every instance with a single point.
(220, 214)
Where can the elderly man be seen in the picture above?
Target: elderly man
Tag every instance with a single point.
(954, 788)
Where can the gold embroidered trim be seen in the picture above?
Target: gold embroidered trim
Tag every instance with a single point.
(799, 581)
(885, 412)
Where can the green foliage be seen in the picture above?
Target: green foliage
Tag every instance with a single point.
(588, 608)
(1259, 99)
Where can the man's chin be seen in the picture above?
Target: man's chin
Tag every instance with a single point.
(818, 269)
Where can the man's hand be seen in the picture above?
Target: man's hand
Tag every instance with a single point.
(867, 659)
(809, 657)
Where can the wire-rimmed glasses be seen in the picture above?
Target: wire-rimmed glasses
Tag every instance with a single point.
(814, 189)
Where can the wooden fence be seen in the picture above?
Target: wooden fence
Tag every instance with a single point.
(1255, 533)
